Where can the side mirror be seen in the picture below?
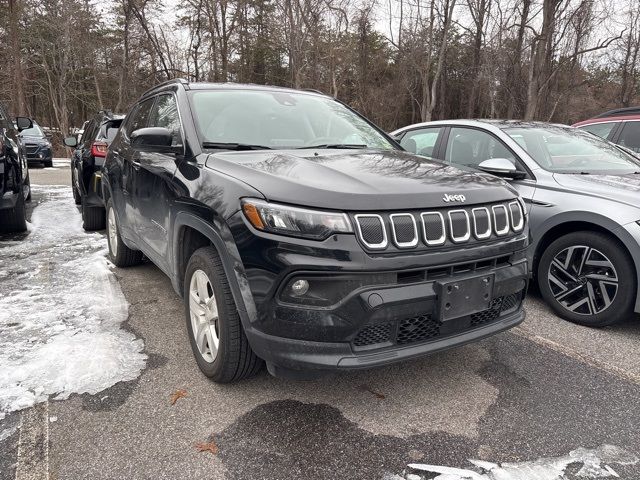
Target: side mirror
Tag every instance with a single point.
(71, 142)
(23, 123)
(501, 167)
(154, 140)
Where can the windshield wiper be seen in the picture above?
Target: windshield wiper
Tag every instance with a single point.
(336, 146)
(234, 146)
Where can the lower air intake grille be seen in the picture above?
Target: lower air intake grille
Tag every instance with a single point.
(487, 315)
(373, 334)
(417, 328)
(510, 302)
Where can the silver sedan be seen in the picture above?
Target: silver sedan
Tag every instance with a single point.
(583, 201)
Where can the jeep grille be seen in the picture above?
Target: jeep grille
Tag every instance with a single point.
(406, 230)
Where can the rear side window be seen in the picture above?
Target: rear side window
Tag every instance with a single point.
(421, 141)
(90, 132)
(603, 130)
(139, 117)
(630, 136)
(165, 115)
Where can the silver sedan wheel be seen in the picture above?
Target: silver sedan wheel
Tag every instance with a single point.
(583, 280)
(113, 232)
(203, 311)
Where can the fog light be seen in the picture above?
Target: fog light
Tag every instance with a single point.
(299, 287)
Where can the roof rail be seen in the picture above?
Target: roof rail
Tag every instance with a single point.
(181, 81)
(618, 112)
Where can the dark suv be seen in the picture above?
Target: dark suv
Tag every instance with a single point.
(86, 166)
(37, 145)
(301, 234)
(15, 188)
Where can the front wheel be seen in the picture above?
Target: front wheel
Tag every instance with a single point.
(217, 338)
(14, 219)
(587, 278)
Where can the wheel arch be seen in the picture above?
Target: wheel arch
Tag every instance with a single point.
(617, 233)
(191, 233)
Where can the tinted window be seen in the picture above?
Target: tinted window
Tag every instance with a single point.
(280, 119)
(139, 117)
(470, 147)
(600, 129)
(570, 150)
(421, 141)
(630, 136)
(89, 133)
(165, 114)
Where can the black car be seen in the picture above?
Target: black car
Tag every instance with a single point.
(15, 188)
(86, 166)
(299, 233)
(37, 146)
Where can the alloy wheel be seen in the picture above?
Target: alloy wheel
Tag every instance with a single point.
(113, 232)
(203, 311)
(583, 280)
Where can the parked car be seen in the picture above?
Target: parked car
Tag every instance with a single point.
(15, 187)
(299, 233)
(620, 126)
(86, 166)
(582, 198)
(37, 145)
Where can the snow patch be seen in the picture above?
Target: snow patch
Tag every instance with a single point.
(594, 463)
(61, 311)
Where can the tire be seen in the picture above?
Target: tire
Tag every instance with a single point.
(234, 359)
(581, 291)
(28, 182)
(93, 218)
(14, 219)
(119, 253)
(76, 194)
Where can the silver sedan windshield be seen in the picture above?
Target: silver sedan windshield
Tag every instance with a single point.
(569, 150)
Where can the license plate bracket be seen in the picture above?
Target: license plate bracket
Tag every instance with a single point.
(463, 297)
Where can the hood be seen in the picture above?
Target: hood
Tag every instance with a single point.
(618, 188)
(357, 180)
(27, 139)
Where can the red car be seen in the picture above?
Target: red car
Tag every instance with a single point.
(620, 126)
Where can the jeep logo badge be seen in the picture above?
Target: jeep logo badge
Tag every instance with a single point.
(454, 198)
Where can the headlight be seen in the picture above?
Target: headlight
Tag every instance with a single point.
(294, 221)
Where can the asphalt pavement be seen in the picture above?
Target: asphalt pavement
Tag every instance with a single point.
(538, 393)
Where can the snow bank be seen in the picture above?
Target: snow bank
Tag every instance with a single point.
(61, 311)
(594, 463)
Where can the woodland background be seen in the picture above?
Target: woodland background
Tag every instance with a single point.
(396, 61)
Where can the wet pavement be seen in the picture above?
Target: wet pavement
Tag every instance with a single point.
(561, 396)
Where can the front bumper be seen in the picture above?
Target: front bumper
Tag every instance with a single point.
(38, 153)
(396, 314)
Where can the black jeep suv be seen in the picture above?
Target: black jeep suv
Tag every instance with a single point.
(37, 145)
(299, 233)
(15, 188)
(86, 166)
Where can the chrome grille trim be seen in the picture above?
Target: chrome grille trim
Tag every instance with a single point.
(482, 235)
(505, 230)
(373, 246)
(413, 242)
(520, 225)
(467, 235)
(439, 241)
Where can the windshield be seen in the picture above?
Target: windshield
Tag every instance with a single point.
(569, 150)
(34, 131)
(280, 120)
